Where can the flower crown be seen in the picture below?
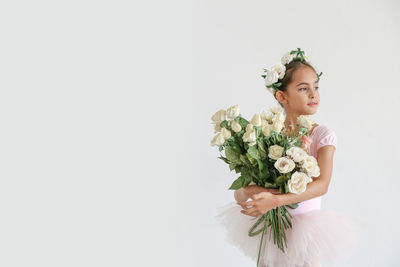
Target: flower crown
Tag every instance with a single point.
(273, 77)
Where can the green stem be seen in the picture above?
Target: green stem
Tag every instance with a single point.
(261, 242)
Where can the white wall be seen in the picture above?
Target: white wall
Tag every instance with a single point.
(105, 115)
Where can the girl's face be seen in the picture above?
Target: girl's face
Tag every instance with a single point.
(302, 95)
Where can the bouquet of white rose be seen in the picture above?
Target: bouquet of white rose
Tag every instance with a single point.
(265, 155)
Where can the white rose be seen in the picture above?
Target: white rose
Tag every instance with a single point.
(297, 153)
(236, 126)
(287, 58)
(275, 110)
(249, 127)
(275, 152)
(271, 78)
(250, 137)
(280, 117)
(298, 182)
(233, 111)
(266, 129)
(256, 120)
(263, 122)
(310, 165)
(217, 128)
(226, 133)
(284, 165)
(305, 121)
(219, 116)
(279, 69)
(218, 140)
(314, 172)
(267, 116)
(277, 126)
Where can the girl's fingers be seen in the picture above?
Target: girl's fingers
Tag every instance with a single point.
(250, 203)
(251, 212)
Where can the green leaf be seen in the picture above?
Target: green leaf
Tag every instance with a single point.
(252, 160)
(244, 159)
(254, 153)
(263, 173)
(232, 166)
(286, 187)
(260, 164)
(270, 185)
(231, 155)
(262, 149)
(242, 122)
(235, 147)
(237, 169)
(238, 183)
(281, 180)
(224, 124)
(247, 180)
(224, 159)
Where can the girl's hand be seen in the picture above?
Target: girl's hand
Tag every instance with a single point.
(260, 204)
(246, 192)
(255, 189)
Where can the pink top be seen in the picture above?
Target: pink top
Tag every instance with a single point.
(320, 136)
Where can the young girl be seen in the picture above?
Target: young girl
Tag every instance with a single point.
(317, 234)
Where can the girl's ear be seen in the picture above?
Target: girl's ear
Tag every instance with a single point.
(281, 97)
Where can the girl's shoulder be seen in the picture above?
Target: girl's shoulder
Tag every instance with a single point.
(323, 135)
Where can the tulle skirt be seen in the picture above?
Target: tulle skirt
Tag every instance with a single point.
(327, 235)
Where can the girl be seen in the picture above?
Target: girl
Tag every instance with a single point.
(316, 234)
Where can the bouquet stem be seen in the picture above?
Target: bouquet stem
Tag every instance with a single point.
(279, 221)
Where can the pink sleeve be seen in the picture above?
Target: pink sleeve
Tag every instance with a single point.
(329, 138)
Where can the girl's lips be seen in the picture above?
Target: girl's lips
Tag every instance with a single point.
(312, 104)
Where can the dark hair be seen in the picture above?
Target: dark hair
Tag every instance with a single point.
(290, 69)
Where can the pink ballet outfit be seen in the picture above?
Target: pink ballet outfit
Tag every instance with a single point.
(316, 234)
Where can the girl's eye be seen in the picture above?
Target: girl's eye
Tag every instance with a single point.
(306, 88)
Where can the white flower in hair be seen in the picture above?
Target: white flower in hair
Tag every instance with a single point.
(306, 58)
(287, 58)
(280, 70)
(277, 72)
(271, 78)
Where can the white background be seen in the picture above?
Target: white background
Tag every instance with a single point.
(105, 113)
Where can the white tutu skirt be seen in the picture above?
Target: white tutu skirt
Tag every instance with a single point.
(325, 235)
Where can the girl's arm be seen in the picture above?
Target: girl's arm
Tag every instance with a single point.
(319, 186)
(246, 192)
